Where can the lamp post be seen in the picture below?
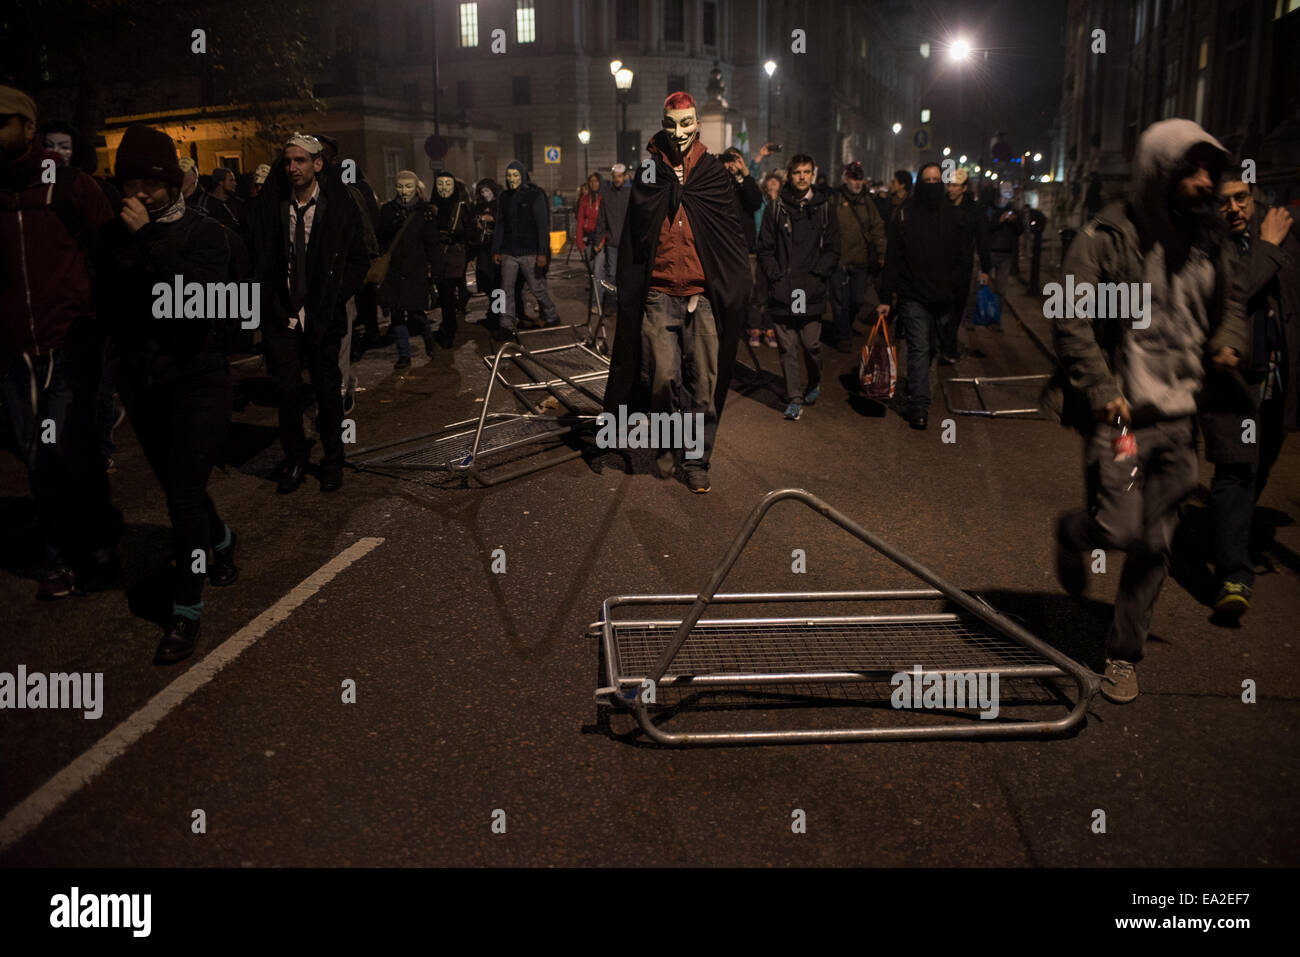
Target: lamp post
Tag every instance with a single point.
(584, 137)
(614, 67)
(623, 82)
(769, 68)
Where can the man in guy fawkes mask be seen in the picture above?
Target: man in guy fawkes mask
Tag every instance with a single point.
(455, 230)
(487, 274)
(922, 262)
(519, 245)
(683, 285)
(408, 234)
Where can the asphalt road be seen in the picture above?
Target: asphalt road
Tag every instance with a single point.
(474, 689)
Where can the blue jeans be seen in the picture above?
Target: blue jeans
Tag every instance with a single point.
(923, 331)
(848, 295)
(58, 442)
(403, 319)
(607, 269)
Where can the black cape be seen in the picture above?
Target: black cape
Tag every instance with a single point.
(710, 200)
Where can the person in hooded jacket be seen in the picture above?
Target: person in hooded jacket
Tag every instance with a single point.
(487, 274)
(520, 243)
(408, 234)
(455, 222)
(974, 243)
(171, 371)
(1130, 383)
(798, 250)
(922, 250)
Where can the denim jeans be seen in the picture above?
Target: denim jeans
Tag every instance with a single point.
(403, 319)
(513, 267)
(923, 331)
(679, 361)
(56, 437)
(608, 271)
(1233, 492)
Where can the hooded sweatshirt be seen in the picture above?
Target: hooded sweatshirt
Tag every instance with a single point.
(1158, 369)
(521, 221)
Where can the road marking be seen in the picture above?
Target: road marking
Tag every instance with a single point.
(42, 802)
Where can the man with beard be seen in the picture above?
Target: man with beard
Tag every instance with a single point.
(455, 228)
(922, 246)
(862, 252)
(51, 346)
(519, 245)
(1267, 253)
(798, 250)
(683, 285)
(1131, 383)
(309, 254)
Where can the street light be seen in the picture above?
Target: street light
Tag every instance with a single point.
(897, 128)
(615, 66)
(962, 158)
(623, 82)
(584, 137)
(947, 150)
(769, 68)
(960, 50)
(1038, 157)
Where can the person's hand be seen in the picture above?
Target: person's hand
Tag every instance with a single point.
(541, 261)
(882, 311)
(1276, 224)
(600, 246)
(1117, 408)
(496, 258)
(763, 151)
(1225, 358)
(984, 278)
(134, 214)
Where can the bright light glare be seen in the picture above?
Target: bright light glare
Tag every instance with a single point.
(1038, 157)
(962, 158)
(769, 67)
(897, 128)
(947, 150)
(960, 50)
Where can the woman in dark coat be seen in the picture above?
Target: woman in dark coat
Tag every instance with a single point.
(487, 274)
(408, 233)
(455, 219)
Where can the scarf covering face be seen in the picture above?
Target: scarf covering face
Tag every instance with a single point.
(709, 197)
(169, 214)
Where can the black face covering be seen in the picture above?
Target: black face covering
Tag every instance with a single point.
(929, 195)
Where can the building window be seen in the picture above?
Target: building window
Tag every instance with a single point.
(230, 161)
(524, 149)
(525, 22)
(522, 90)
(675, 83)
(468, 36)
(709, 28)
(464, 94)
(626, 21)
(674, 21)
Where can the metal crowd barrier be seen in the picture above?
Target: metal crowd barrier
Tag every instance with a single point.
(980, 381)
(662, 668)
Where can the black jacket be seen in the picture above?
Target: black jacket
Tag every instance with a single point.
(710, 201)
(336, 254)
(613, 213)
(922, 249)
(195, 247)
(750, 198)
(1004, 237)
(406, 286)
(799, 248)
(522, 226)
(454, 218)
(973, 232)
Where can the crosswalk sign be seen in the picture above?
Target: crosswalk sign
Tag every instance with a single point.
(552, 154)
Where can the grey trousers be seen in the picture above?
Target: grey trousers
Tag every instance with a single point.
(679, 360)
(799, 341)
(1137, 514)
(511, 267)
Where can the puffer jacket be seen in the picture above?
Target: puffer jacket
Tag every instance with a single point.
(798, 248)
(1158, 370)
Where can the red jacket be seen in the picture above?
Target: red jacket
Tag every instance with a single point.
(677, 268)
(588, 212)
(44, 282)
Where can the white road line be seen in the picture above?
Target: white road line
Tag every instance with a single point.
(42, 802)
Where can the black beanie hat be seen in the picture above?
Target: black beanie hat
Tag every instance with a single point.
(146, 153)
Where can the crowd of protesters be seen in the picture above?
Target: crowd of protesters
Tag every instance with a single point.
(81, 326)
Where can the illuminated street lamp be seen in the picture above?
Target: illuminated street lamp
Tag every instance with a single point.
(960, 50)
(962, 158)
(584, 137)
(769, 68)
(897, 128)
(1038, 157)
(947, 150)
(623, 83)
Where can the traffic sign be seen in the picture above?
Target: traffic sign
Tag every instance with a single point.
(435, 147)
(551, 154)
(921, 138)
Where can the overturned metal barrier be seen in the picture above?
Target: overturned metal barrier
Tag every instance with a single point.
(978, 382)
(497, 446)
(662, 668)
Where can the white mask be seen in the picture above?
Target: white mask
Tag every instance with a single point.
(445, 186)
(60, 143)
(513, 179)
(406, 189)
(683, 126)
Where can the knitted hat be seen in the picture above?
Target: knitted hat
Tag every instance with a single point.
(16, 101)
(146, 153)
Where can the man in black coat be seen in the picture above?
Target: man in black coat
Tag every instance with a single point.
(974, 242)
(1261, 393)
(309, 254)
(683, 286)
(798, 250)
(922, 246)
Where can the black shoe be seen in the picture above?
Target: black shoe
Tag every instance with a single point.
(446, 340)
(177, 641)
(403, 362)
(919, 421)
(697, 480)
(292, 477)
(222, 571)
(428, 346)
(331, 478)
